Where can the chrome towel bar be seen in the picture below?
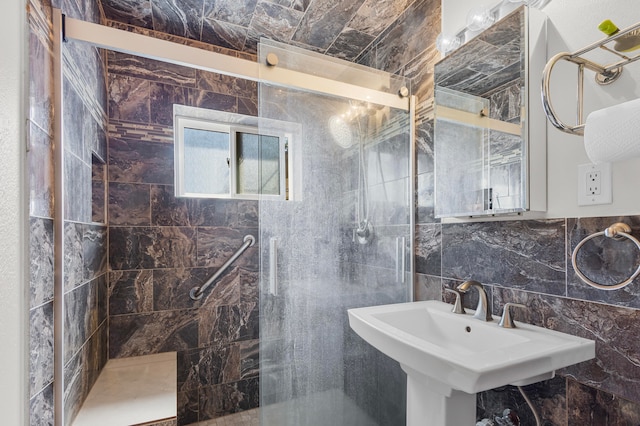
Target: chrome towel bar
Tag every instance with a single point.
(605, 74)
(617, 231)
(197, 292)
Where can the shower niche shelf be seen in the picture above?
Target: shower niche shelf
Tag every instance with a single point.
(490, 130)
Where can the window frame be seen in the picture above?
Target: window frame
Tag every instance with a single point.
(231, 129)
(282, 153)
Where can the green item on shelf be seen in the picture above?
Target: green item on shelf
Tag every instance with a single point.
(625, 43)
(608, 27)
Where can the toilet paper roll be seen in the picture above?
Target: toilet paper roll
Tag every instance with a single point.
(613, 134)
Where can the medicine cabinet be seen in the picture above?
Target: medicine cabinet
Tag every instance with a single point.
(490, 130)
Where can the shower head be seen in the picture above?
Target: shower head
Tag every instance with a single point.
(340, 131)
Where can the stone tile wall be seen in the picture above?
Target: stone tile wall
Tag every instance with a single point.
(85, 241)
(161, 246)
(40, 169)
(533, 266)
(529, 262)
(342, 29)
(526, 262)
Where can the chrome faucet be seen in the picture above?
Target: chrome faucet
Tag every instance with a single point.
(483, 311)
(506, 321)
(458, 307)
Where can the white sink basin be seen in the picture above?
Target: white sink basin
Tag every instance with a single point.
(446, 353)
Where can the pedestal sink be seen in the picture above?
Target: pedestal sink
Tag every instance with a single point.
(449, 357)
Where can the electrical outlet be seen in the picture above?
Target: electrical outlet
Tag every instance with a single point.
(594, 184)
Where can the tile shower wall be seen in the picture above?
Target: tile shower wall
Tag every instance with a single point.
(564, 400)
(161, 246)
(85, 236)
(342, 29)
(373, 381)
(40, 172)
(85, 264)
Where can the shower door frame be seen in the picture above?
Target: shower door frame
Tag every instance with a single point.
(101, 36)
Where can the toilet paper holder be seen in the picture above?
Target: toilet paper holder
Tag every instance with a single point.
(605, 74)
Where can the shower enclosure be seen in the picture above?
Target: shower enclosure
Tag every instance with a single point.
(340, 236)
(341, 240)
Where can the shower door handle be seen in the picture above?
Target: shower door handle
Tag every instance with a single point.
(401, 259)
(273, 266)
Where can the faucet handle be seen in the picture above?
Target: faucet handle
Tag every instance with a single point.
(457, 306)
(506, 320)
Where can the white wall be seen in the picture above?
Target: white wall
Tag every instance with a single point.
(454, 14)
(13, 317)
(573, 25)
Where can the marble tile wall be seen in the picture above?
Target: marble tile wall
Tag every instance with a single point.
(85, 318)
(85, 238)
(407, 47)
(85, 241)
(341, 28)
(147, 289)
(371, 380)
(524, 261)
(41, 237)
(534, 269)
(161, 246)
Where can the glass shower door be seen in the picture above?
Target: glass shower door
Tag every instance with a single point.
(340, 240)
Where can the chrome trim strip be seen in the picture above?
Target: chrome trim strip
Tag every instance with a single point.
(58, 221)
(412, 196)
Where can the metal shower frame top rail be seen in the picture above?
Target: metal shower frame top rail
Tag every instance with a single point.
(605, 74)
(166, 51)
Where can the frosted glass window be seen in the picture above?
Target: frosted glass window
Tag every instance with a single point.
(258, 164)
(206, 161)
(219, 160)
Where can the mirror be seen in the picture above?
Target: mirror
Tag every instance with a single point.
(489, 147)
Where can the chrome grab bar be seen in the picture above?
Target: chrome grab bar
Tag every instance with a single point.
(605, 74)
(197, 292)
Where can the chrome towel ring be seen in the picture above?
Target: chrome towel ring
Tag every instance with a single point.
(617, 231)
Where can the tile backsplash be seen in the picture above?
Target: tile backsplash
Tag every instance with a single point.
(529, 262)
